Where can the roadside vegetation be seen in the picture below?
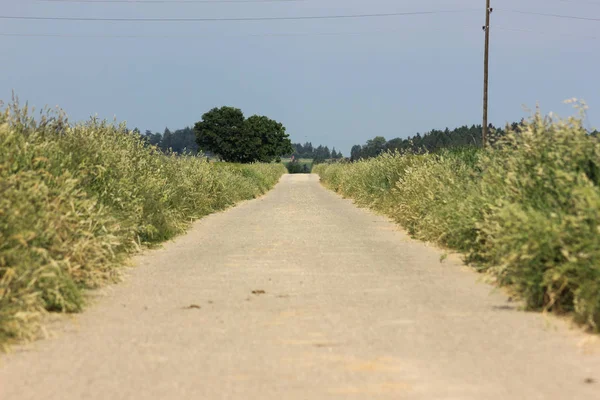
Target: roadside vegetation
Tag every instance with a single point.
(526, 210)
(78, 199)
(299, 166)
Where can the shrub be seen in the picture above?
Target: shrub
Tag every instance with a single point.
(296, 167)
(541, 224)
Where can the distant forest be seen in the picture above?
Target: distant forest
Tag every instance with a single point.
(432, 141)
(317, 154)
(180, 141)
(184, 141)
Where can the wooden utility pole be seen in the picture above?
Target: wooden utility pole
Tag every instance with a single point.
(486, 28)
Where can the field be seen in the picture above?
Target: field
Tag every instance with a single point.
(526, 210)
(78, 199)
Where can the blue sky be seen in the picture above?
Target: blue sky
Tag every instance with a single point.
(335, 82)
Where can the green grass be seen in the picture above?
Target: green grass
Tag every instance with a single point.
(527, 211)
(78, 199)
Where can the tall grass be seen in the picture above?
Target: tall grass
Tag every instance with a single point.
(527, 210)
(77, 199)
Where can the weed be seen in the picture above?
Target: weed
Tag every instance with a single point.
(526, 210)
(77, 199)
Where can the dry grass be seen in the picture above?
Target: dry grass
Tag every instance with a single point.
(526, 210)
(79, 199)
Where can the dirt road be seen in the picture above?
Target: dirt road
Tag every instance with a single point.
(300, 295)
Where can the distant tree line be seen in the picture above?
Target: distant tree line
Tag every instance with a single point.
(432, 141)
(180, 141)
(317, 154)
(435, 140)
(183, 141)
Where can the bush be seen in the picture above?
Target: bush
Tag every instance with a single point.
(526, 210)
(78, 199)
(295, 167)
(541, 225)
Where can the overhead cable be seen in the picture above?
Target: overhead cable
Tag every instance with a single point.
(234, 19)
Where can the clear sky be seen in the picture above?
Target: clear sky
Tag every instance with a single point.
(336, 82)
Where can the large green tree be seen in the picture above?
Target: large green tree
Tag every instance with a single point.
(224, 131)
(374, 147)
(356, 152)
(270, 137)
(221, 132)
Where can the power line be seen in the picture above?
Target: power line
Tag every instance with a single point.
(167, 1)
(548, 15)
(226, 1)
(220, 1)
(108, 36)
(594, 3)
(103, 36)
(544, 33)
(293, 34)
(348, 16)
(76, 36)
